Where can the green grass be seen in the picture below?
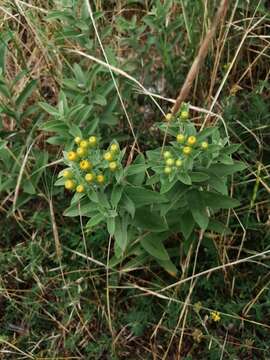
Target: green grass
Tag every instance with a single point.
(74, 306)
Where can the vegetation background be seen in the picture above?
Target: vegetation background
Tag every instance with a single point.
(74, 306)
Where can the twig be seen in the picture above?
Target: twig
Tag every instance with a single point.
(220, 15)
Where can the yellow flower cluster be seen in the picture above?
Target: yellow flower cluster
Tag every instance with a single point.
(188, 144)
(170, 162)
(87, 165)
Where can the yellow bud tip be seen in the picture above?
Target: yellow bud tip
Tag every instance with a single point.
(180, 138)
(114, 148)
(167, 170)
(77, 140)
(108, 156)
(184, 115)
(69, 184)
(187, 150)
(204, 145)
(170, 162)
(80, 189)
(178, 163)
(167, 154)
(92, 140)
(85, 165)
(113, 166)
(191, 140)
(100, 179)
(71, 155)
(89, 177)
(168, 117)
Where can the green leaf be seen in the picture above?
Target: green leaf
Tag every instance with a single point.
(184, 178)
(111, 225)
(206, 132)
(218, 201)
(141, 196)
(128, 204)
(135, 169)
(149, 220)
(198, 208)
(55, 126)
(95, 220)
(27, 91)
(49, 109)
(168, 266)
(198, 176)
(116, 195)
(84, 209)
(186, 224)
(218, 184)
(120, 232)
(218, 227)
(225, 170)
(153, 244)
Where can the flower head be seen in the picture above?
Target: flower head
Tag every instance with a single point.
(72, 156)
(69, 184)
(191, 140)
(77, 140)
(215, 316)
(89, 177)
(187, 150)
(108, 156)
(92, 141)
(114, 147)
(113, 166)
(167, 170)
(100, 178)
(80, 188)
(204, 145)
(85, 165)
(67, 174)
(180, 138)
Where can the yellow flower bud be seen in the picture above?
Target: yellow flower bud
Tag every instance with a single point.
(178, 163)
(204, 145)
(113, 166)
(184, 115)
(191, 140)
(100, 179)
(69, 184)
(180, 138)
(187, 150)
(92, 141)
(108, 156)
(170, 162)
(89, 177)
(81, 151)
(168, 170)
(84, 144)
(114, 148)
(72, 156)
(80, 189)
(67, 174)
(85, 165)
(168, 117)
(167, 154)
(77, 140)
